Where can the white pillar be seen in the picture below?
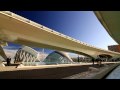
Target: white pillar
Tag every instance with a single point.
(30, 59)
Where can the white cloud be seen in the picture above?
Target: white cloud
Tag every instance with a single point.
(10, 53)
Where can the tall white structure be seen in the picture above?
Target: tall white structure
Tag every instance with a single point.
(26, 55)
(42, 55)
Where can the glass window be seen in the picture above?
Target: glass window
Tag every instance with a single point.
(56, 58)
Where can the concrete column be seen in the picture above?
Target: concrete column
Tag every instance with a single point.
(31, 60)
(17, 56)
(2, 53)
(20, 55)
(24, 58)
(28, 58)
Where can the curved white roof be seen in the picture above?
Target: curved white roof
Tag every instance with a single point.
(30, 50)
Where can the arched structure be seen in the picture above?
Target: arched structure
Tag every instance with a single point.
(16, 29)
(26, 55)
(58, 57)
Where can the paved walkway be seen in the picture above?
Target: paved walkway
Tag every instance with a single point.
(58, 72)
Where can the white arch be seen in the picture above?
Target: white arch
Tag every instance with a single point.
(57, 41)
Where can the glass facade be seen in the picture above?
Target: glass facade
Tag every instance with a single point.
(57, 58)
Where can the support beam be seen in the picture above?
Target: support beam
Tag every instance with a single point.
(2, 53)
(16, 29)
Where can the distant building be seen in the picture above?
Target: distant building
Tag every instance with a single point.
(115, 48)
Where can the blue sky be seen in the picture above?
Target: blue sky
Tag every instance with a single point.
(81, 25)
